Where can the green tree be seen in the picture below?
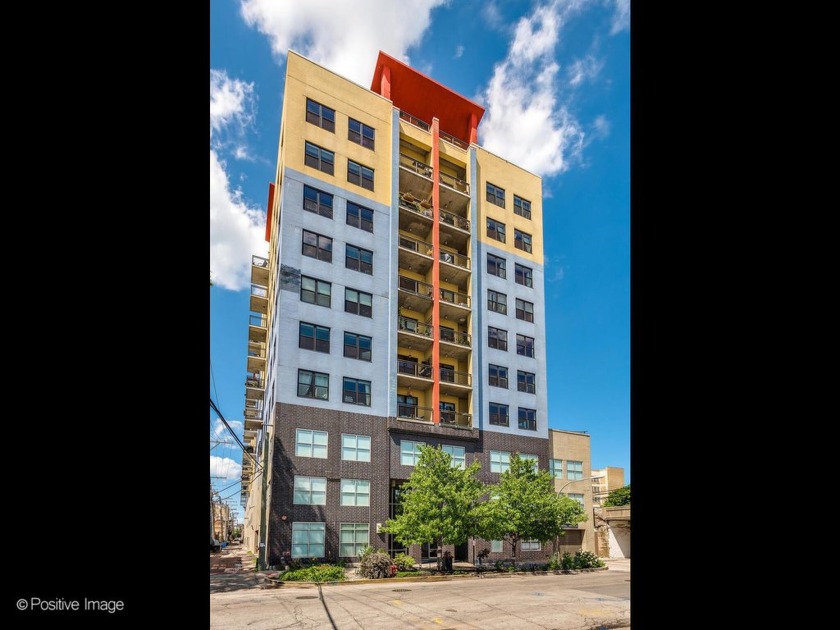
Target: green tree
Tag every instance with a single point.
(525, 506)
(438, 502)
(618, 497)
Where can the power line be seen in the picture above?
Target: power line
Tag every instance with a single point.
(235, 437)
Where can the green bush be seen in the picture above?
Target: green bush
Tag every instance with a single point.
(404, 562)
(317, 573)
(586, 560)
(413, 573)
(567, 562)
(374, 565)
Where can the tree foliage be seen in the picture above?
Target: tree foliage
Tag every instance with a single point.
(438, 502)
(618, 497)
(525, 506)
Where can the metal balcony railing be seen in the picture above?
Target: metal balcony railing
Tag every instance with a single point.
(254, 404)
(453, 297)
(454, 183)
(459, 378)
(456, 417)
(416, 287)
(254, 380)
(459, 260)
(259, 261)
(415, 412)
(415, 245)
(260, 321)
(256, 350)
(454, 220)
(253, 414)
(416, 207)
(453, 140)
(455, 336)
(411, 368)
(259, 291)
(413, 326)
(416, 166)
(415, 121)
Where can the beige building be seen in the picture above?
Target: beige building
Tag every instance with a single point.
(570, 460)
(222, 526)
(604, 481)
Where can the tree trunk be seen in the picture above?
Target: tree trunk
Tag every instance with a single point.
(513, 542)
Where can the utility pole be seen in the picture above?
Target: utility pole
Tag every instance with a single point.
(211, 510)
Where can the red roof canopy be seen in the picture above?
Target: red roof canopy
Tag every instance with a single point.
(425, 98)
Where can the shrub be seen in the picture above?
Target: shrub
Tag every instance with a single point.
(375, 565)
(317, 573)
(586, 560)
(404, 562)
(567, 562)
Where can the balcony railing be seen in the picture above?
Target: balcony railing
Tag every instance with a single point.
(415, 245)
(254, 404)
(415, 165)
(253, 414)
(414, 121)
(453, 297)
(459, 378)
(259, 291)
(455, 336)
(453, 140)
(416, 207)
(413, 411)
(412, 368)
(454, 220)
(456, 417)
(260, 321)
(413, 326)
(253, 380)
(416, 287)
(454, 183)
(459, 260)
(259, 261)
(256, 350)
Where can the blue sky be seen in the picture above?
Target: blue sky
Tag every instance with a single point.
(554, 77)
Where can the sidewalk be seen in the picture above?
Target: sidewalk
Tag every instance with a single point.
(618, 564)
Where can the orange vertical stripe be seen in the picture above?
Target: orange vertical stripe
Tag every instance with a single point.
(436, 269)
(268, 212)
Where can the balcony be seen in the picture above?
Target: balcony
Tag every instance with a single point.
(416, 178)
(455, 183)
(415, 255)
(413, 412)
(454, 343)
(257, 328)
(415, 375)
(253, 418)
(455, 267)
(453, 140)
(256, 356)
(454, 194)
(254, 387)
(414, 334)
(454, 305)
(415, 214)
(259, 271)
(456, 418)
(259, 299)
(414, 294)
(453, 220)
(453, 383)
(422, 124)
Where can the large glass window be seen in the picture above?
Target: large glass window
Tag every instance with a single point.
(308, 540)
(358, 302)
(353, 538)
(314, 291)
(359, 216)
(355, 448)
(357, 346)
(310, 490)
(314, 337)
(355, 492)
(320, 115)
(356, 391)
(317, 246)
(313, 385)
(309, 443)
(360, 133)
(359, 175)
(358, 259)
(410, 452)
(317, 201)
(319, 158)
(499, 461)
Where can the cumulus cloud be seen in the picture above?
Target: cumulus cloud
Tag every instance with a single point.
(231, 101)
(581, 70)
(491, 14)
(345, 41)
(225, 467)
(459, 50)
(525, 121)
(219, 429)
(601, 126)
(621, 16)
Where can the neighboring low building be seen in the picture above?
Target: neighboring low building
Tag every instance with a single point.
(612, 531)
(604, 481)
(221, 522)
(569, 458)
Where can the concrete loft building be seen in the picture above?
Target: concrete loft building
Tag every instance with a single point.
(604, 481)
(570, 456)
(401, 305)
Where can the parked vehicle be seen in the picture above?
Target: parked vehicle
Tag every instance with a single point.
(215, 545)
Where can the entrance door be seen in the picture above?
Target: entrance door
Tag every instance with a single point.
(462, 552)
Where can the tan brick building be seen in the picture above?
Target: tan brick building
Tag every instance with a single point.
(570, 460)
(604, 481)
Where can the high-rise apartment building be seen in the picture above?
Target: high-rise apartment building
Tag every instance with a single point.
(401, 305)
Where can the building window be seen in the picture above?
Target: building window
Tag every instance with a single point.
(524, 275)
(524, 310)
(358, 259)
(525, 345)
(314, 337)
(353, 538)
(525, 382)
(311, 443)
(498, 376)
(357, 346)
(320, 115)
(522, 240)
(555, 467)
(531, 458)
(355, 492)
(522, 207)
(359, 175)
(355, 448)
(308, 540)
(496, 301)
(359, 216)
(360, 133)
(495, 195)
(528, 419)
(313, 385)
(356, 391)
(315, 291)
(499, 461)
(317, 201)
(458, 454)
(497, 546)
(497, 338)
(317, 246)
(358, 302)
(495, 229)
(310, 490)
(495, 265)
(319, 158)
(499, 414)
(530, 545)
(407, 406)
(410, 452)
(576, 497)
(574, 470)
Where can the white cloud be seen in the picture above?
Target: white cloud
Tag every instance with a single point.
(491, 14)
(525, 121)
(219, 429)
(601, 126)
(237, 230)
(343, 36)
(621, 16)
(225, 467)
(231, 101)
(459, 50)
(581, 70)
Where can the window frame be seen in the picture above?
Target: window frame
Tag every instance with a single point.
(499, 407)
(355, 391)
(362, 137)
(355, 448)
(527, 274)
(357, 347)
(532, 545)
(499, 263)
(356, 494)
(494, 197)
(359, 306)
(311, 443)
(495, 232)
(317, 343)
(361, 175)
(523, 343)
(310, 546)
(491, 367)
(501, 464)
(311, 385)
(318, 119)
(521, 209)
(522, 307)
(522, 382)
(570, 472)
(357, 546)
(322, 164)
(495, 304)
(497, 340)
(529, 422)
(297, 491)
(358, 263)
(317, 294)
(555, 468)
(317, 206)
(316, 251)
(414, 454)
(357, 219)
(520, 242)
(458, 461)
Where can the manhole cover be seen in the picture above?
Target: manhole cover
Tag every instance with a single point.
(306, 597)
(401, 590)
